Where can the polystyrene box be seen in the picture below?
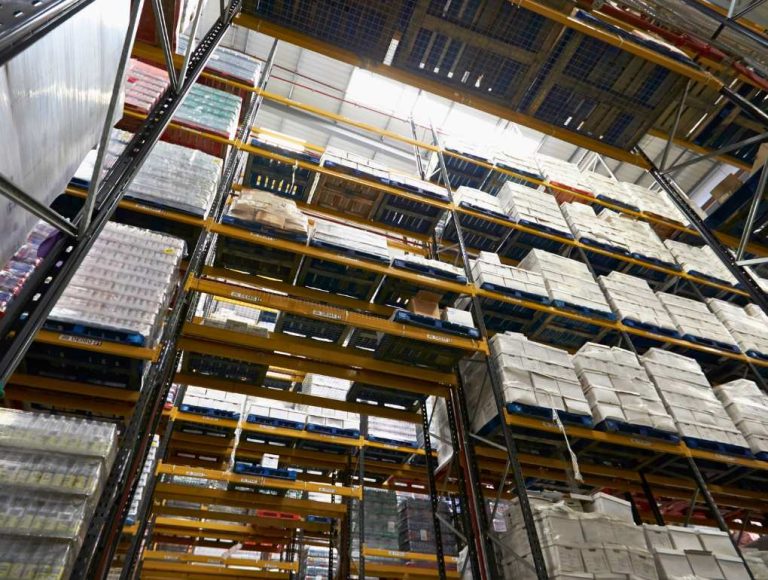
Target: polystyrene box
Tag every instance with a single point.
(717, 542)
(657, 537)
(611, 506)
(703, 564)
(684, 538)
(672, 564)
(732, 568)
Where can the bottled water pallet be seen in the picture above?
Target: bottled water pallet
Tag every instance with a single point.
(717, 447)
(209, 412)
(614, 426)
(265, 230)
(436, 324)
(536, 412)
(254, 419)
(333, 431)
(382, 396)
(653, 328)
(711, 343)
(99, 334)
(245, 468)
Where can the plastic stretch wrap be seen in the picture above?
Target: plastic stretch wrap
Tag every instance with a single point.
(478, 200)
(487, 269)
(140, 492)
(145, 84)
(747, 405)
(617, 387)
(23, 262)
(654, 202)
(632, 298)
(585, 224)
(531, 374)
(689, 398)
(750, 332)
(380, 523)
(23, 513)
(230, 63)
(46, 472)
(523, 203)
(338, 235)
(563, 173)
(694, 318)
(210, 110)
(64, 80)
(392, 429)
(268, 210)
(91, 300)
(441, 427)
(699, 260)
(417, 530)
(36, 558)
(566, 280)
(638, 236)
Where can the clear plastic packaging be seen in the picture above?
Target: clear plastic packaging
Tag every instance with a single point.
(231, 63)
(36, 558)
(24, 513)
(46, 472)
(210, 110)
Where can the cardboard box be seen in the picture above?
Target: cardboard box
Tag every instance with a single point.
(425, 303)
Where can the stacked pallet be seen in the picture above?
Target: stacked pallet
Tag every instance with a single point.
(209, 109)
(227, 62)
(589, 229)
(379, 524)
(328, 421)
(212, 403)
(144, 84)
(696, 322)
(699, 416)
(636, 304)
(609, 190)
(747, 406)
(533, 208)
(315, 563)
(656, 203)
(619, 393)
(564, 174)
(528, 172)
(364, 244)
(569, 283)
(52, 472)
(700, 261)
(416, 527)
(536, 380)
(263, 411)
(749, 332)
(392, 431)
(489, 273)
(641, 240)
(266, 213)
(479, 201)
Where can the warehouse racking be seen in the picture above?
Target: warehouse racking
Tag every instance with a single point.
(671, 470)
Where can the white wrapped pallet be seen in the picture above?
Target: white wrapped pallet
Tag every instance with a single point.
(689, 398)
(392, 430)
(747, 405)
(213, 399)
(531, 374)
(477, 200)
(617, 387)
(564, 173)
(590, 229)
(639, 236)
(694, 320)
(653, 202)
(609, 190)
(532, 207)
(323, 386)
(442, 428)
(490, 273)
(568, 282)
(700, 261)
(635, 302)
(749, 332)
(346, 237)
(270, 411)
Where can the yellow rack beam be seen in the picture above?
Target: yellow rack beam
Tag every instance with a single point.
(420, 556)
(95, 345)
(224, 561)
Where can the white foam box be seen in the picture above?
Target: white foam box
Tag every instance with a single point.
(716, 541)
(611, 506)
(619, 560)
(639, 236)
(350, 237)
(643, 565)
(684, 538)
(584, 223)
(703, 564)
(632, 297)
(595, 560)
(478, 199)
(732, 568)
(563, 558)
(522, 202)
(749, 332)
(456, 316)
(693, 317)
(270, 460)
(672, 564)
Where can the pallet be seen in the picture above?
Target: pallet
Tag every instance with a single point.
(717, 447)
(245, 468)
(713, 279)
(319, 519)
(585, 310)
(614, 426)
(209, 412)
(333, 431)
(383, 396)
(653, 328)
(254, 419)
(619, 203)
(406, 214)
(417, 352)
(224, 368)
(349, 252)
(546, 413)
(546, 229)
(265, 230)
(436, 324)
(516, 293)
(429, 271)
(656, 261)
(757, 354)
(393, 442)
(762, 455)
(294, 324)
(337, 278)
(101, 334)
(607, 247)
(257, 260)
(712, 343)
(279, 177)
(486, 212)
(214, 431)
(274, 515)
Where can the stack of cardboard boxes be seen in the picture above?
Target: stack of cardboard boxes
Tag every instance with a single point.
(692, 318)
(524, 204)
(700, 261)
(568, 282)
(689, 398)
(749, 332)
(261, 410)
(531, 374)
(617, 388)
(633, 300)
(489, 272)
(379, 524)
(391, 430)
(278, 214)
(747, 406)
(590, 229)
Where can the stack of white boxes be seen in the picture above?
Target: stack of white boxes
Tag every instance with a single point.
(747, 405)
(689, 398)
(457, 316)
(639, 236)
(693, 318)
(694, 553)
(329, 388)
(603, 543)
(523, 203)
(511, 160)
(488, 269)
(393, 430)
(269, 210)
(566, 280)
(699, 260)
(269, 408)
(563, 173)
(342, 236)
(607, 188)
(228, 318)
(419, 260)
(617, 387)
(749, 332)
(654, 202)
(141, 486)
(633, 299)
(478, 200)
(214, 399)
(587, 227)
(531, 374)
